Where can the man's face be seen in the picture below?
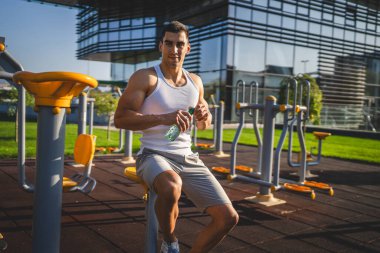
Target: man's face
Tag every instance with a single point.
(174, 47)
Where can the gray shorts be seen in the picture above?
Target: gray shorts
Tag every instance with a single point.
(198, 183)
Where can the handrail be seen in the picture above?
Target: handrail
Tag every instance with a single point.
(11, 65)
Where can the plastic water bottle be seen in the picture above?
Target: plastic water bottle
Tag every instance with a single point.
(174, 131)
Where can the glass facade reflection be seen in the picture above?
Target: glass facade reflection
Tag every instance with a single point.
(338, 42)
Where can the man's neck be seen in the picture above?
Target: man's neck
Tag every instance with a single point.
(173, 75)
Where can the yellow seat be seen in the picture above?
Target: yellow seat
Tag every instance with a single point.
(130, 173)
(321, 135)
(54, 89)
(84, 150)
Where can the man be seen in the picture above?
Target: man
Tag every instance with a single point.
(155, 99)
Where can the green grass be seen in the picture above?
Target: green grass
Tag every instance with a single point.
(8, 145)
(344, 147)
(351, 148)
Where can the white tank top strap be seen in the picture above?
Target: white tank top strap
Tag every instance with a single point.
(158, 71)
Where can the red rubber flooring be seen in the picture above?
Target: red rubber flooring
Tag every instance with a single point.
(111, 218)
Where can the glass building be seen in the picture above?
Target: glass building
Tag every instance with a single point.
(336, 41)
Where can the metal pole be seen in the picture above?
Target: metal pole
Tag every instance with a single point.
(82, 113)
(128, 158)
(21, 141)
(48, 187)
(219, 132)
(268, 139)
(91, 115)
(152, 224)
(215, 126)
(120, 140)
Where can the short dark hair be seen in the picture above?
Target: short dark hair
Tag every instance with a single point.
(175, 27)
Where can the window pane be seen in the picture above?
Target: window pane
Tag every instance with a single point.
(259, 17)
(249, 54)
(125, 22)
(114, 24)
(113, 36)
(315, 28)
(302, 10)
(302, 26)
(137, 34)
(315, 14)
(370, 40)
(274, 20)
(280, 55)
(103, 37)
(326, 31)
(261, 2)
(243, 13)
(275, 4)
(125, 35)
(211, 54)
(288, 23)
(339, 20)
(349, 35)
(150, 20)
(149, 32)
(306, 60)
(327, 16)
(137, 21)
(360, 37)
(289, 8)
(338, 33)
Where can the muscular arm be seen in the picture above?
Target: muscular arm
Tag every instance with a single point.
(201, 113)
(127, 114)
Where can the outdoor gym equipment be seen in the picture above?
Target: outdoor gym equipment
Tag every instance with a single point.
(299, 115)
(242, 100)
(8, 66)
(83, 154)
(150, 197)
(128, 141)
(217, 129)
(267, 180)
(320, 136)
(270, 108)
(53, 92)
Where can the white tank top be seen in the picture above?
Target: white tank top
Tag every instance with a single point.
(166, 99)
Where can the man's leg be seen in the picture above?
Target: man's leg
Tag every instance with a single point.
(168, 188)
(223, 219)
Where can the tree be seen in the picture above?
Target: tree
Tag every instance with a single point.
(105, 104)
(315, 96)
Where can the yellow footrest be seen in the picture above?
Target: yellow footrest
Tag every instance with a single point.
(68, 183)
(300, 188)
(204, 145)
(225, 170)
(319, 185)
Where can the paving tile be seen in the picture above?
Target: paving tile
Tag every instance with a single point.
(289, 244)
(112, 217)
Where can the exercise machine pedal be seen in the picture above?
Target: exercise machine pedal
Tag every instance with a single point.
(300, 188)
(319, 185)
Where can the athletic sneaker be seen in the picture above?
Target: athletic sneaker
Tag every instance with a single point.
(169, 248)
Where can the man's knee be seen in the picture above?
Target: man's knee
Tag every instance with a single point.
(224, 216)
(168, 187)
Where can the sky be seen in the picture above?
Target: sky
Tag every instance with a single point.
(42, 37)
